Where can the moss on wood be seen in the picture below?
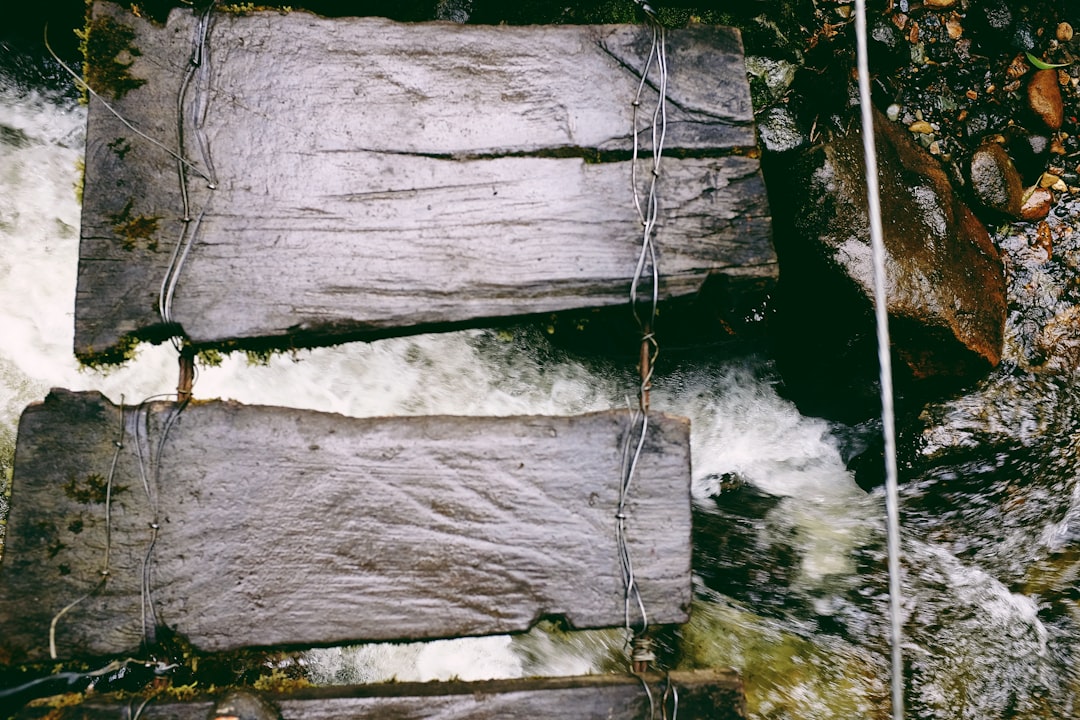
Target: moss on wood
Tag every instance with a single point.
(133, 228)
(108, 54)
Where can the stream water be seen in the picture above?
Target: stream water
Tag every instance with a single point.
(790, 581)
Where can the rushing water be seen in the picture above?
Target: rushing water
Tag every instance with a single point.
(789, 563)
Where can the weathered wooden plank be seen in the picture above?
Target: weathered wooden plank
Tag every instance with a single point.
(281, 526)
(375, 177)
(703, 695)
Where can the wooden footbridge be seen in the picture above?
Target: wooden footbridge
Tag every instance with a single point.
(280, 177)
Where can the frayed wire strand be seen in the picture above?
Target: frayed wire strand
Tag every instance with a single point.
(104, 572)
(86, 86)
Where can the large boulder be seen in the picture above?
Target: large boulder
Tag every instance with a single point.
(946, 283)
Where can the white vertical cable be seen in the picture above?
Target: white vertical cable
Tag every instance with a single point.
(877, 243)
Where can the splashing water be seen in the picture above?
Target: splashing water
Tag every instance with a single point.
(789, 558)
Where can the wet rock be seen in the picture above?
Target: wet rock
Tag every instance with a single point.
(995, 181)
(738, 550)
(991, 21)
(1024, 36)
(453, 10)
(984, 120)
(1037, 204)
(946, 297)
(244, 705)
(779, 130)
(1044, 98)
(888, 47)
(769, 78)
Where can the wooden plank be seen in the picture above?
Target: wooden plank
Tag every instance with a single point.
(377, 178)
(293, 527)
(703, 695)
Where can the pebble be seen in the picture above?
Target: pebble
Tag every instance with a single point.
(1037, 204)
(996, 181)
(921, 126)
(1044, 98)
(1048, 180)
(893, 112)
(939, 3)
(1064, 32)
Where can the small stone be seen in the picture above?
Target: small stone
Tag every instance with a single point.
(893, 112)
(1064, 32)
(939, 3)
(1018, 67)
(1048, 180)
(1024, 36)
(1037, 204)
(953, 27)
(1044, 98)
(996, 181)
(1060, 186)
(244, 705)
(921, 126)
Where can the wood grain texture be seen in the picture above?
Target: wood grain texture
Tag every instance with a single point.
(703, 695)
(377, 178)
(292, 527)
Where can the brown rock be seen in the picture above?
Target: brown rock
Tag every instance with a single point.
(939, 3)
(946, 283)
(1044, 98)
(1037, 204)
(995, 181)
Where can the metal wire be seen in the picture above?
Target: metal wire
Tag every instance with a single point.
(93, 93)
(104, 572)
(151, 486)
(649, 695)
(647, 215)
(198, 65)
(639, 421)
(646, 270)
(877, 242)
(673, 692)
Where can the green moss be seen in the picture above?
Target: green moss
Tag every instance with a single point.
(259, 357)
(120, 146)
(210, 357)
(108, 54)
(118, 354)
(93, 489)
(80, 180)
(247, 8)
(279, 681)
(133, 228)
